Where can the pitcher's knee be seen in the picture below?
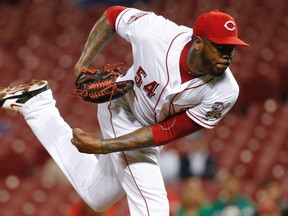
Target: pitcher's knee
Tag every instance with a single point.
(99, 204)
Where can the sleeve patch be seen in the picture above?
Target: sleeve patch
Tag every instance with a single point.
(136, 16)
(216, 111)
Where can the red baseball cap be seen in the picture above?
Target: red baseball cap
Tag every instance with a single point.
(218, 27)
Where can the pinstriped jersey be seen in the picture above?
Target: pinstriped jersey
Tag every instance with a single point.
(159, 90)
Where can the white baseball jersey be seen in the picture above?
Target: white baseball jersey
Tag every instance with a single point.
(159, 92)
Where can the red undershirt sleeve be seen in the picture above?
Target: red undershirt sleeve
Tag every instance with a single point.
(173, 128)
(112, 14)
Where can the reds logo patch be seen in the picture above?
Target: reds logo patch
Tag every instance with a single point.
(217, 109)
(136, 16)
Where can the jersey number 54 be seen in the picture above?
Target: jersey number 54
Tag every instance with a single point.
(148, 88)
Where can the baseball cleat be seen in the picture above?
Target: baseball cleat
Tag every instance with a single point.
(14, 97)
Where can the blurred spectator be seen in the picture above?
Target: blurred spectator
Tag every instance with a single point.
(231, 200)
(270, 197)
(169, 163)
(193, 199)
(268, 208)
(197, 160)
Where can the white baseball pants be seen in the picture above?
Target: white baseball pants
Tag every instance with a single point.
(101, 183)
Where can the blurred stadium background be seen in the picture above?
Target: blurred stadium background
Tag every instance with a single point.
(42, 39)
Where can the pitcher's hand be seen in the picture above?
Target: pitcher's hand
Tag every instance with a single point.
(86, 142)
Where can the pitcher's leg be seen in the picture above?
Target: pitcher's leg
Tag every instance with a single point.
(94, 180)
(54, 133)
(138, 171)
(143, 183)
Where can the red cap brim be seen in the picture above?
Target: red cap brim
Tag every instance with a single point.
(228, 40)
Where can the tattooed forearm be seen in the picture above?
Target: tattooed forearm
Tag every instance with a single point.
(100, 34)
(138, 139)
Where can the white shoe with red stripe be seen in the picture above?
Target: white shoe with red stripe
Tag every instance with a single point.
(13, 97)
